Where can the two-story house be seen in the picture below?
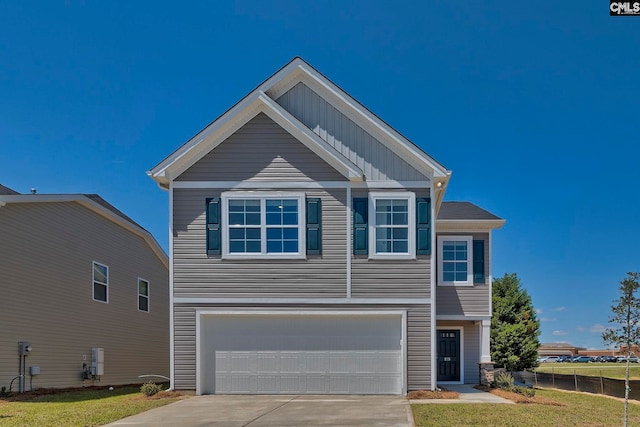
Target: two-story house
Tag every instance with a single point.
(306, 257)
(84, 294)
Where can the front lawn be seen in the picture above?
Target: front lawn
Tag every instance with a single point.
(578, 410)
(82, 408)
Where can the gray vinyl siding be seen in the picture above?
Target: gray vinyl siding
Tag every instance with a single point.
(46, 255)
(418, 340)
(471, 347)
(184, 322)
(378, 278)
(471, 354)
(419, 349)
(261, 151)
(374, 158)
(198, 275)
(466, 300)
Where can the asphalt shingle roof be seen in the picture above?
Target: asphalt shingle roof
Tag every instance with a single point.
(464, 211)
(6, 191)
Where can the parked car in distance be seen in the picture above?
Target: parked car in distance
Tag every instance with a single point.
(632, 359)
(542, 359)
(609, 359)
(582, 359)
(551, 359)
(563, 359)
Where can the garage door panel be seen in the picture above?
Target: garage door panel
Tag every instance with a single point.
(365, 362)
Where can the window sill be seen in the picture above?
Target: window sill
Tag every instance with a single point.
(259, 256)
(455, 284)
(393, 256)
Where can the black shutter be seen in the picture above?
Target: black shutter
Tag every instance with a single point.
(423, 226)
(213, 226)
(360, 225)
(314, 226)
(478, 261)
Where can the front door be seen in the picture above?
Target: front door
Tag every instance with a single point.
(449, 355)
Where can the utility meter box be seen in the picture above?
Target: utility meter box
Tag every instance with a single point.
(34, 370)
(97, 361)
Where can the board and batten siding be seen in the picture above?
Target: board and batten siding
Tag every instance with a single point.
(261, 150)
(198, 275)
(466, 300)
(375, 159)
(46, 255)
(418, 361)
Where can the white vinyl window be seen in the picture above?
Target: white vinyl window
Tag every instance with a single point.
(392, 225)
(257, 225)
(100, 282)
(455, 260)
(143, 295)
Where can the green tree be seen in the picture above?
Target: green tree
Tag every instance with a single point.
(514, 326)
(626, 333)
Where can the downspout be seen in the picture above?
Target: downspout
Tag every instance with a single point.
(172, 353)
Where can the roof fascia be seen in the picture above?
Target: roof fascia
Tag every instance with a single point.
(468, 224)
(95, 207)
(303, 72)
(234, 119)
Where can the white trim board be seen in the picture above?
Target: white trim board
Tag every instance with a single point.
(323, 301)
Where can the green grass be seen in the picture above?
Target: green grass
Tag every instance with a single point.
(608, 370)
(77, 408)
(579, 410)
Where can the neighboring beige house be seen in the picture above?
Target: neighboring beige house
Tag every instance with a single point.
(305, 257)
(76, 276)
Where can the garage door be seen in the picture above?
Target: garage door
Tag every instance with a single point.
(314, 354)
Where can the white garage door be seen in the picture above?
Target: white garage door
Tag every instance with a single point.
(284, 354)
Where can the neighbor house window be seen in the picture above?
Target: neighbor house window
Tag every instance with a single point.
(263, 224)
(143, 295)
(100, 282)
(455, 260)
(392, 229)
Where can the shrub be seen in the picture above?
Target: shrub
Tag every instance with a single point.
(526, 391)
(505, 381)
(150, 388)
(4, 392)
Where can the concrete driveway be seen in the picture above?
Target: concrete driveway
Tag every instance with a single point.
(278, 411)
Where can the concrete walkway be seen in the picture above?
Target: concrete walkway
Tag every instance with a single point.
(468, 394)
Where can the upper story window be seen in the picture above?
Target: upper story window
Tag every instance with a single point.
(263, 225)
(143, 295)
(455, 260)
(100, 282)
(392, 227)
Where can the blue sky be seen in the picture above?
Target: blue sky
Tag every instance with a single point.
(534, 107)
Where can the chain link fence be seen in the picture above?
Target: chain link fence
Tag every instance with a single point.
(574, 382)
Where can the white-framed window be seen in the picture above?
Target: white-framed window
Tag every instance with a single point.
(392, 225)
(143, 295)
(263, 225)
(100, 283)
(455, 260)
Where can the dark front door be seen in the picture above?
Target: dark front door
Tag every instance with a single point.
(448, 355)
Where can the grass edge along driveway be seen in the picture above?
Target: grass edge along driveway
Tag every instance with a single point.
(578, 409)
(82, 408)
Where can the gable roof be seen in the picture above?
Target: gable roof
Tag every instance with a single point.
(262, 99)
(6, 190)
(99, 206)
(466, 214)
